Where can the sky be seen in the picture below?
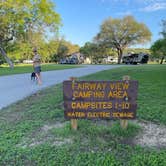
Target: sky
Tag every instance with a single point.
(81, 19)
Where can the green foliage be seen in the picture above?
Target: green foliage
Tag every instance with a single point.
(64, 49)
(151, 88)
(96, 51)
(131, 130)
(19, 69)
(26, 23)
(137, 50)
(94, 159)
(2, 60)
(149, 159)
(159, 49)
(96, 142)
(50, 51)
(22, 19)
(122, 33)
(164, 28)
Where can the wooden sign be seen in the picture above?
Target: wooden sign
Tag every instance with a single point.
(100, 99)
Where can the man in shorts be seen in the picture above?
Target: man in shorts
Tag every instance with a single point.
(37, 66)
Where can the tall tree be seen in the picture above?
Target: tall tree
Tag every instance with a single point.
(20, 19)
(163, 32)
(159, 49)
(89, 50)
(64, 49)
(96, 51)
(122, 33)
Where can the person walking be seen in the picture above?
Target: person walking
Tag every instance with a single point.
(37, 66)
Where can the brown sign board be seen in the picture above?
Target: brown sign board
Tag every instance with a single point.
(100, 99)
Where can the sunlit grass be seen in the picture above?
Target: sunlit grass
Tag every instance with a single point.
(95, 142)
(28, 68)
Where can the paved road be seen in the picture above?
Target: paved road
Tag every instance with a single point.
(16, 87)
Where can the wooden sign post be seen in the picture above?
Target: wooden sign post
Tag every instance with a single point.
(124, 122)
(73, 121)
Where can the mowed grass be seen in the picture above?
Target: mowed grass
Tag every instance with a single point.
(34, 131)
(151, 92)
(28, 68)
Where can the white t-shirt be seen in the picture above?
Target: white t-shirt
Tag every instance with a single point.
(36, 60)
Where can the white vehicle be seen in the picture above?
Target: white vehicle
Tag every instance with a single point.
(110, 59)
(28, 61)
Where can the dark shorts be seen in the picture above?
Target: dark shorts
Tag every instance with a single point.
(37, 69)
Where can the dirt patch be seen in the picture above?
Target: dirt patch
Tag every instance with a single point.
(53, 142)
(43, 135)
(47, 127)
(152, 135)
(12, 117)
(62, 142)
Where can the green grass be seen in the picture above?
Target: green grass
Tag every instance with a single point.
(26, 68)
(25, 138)
(132, 130)
(151, 92)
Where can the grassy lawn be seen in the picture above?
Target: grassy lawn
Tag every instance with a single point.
(26, 68)
(34, 131)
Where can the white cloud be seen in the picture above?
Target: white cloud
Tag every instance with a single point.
(154, 7)
(126, 13)
(147, 2)
(144, 5)
(113, 1)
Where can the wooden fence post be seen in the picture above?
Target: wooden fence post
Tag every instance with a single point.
(124, 122)
(73, 121)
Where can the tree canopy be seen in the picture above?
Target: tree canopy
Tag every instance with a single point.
(158, 48)
(23, 20)
(122, 33)
(163, 32)
(96, 51)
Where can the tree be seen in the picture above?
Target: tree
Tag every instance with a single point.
(72, 48)
(20, 20)
(137, 50)
(64, 49)
(89, 50)
(159, 49)
(163, 28)
(122, 33)
(96, 52)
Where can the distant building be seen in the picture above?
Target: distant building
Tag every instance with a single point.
(87, 60)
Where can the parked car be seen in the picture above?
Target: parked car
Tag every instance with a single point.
(135, 58)
(73, 61)
(64, 61)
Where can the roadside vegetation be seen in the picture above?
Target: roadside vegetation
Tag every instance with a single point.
(28, 68)
(34, 131)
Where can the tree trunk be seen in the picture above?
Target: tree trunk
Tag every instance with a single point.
(3, 53)
(162, 59)
(120, 52)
